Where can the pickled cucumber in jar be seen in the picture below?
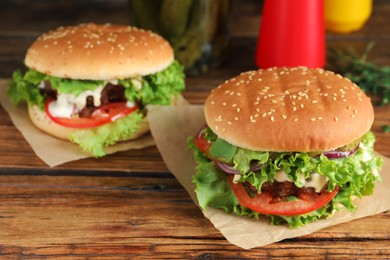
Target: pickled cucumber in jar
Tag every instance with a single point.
(196, 29)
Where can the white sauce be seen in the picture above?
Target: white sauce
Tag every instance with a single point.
(366, 155)
(67, 104)
(137, 82)
(316, 181)
(236, 178)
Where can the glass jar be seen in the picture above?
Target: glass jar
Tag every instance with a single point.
(196, 29)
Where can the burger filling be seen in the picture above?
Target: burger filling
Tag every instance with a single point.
(292, 187)
(101, 112)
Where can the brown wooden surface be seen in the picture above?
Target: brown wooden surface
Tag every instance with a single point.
(128, 205)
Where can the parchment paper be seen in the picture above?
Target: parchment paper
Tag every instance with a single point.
(51, 150)
(171, 126)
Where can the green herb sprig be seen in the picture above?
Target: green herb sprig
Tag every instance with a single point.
(370, 77)
(386, 128)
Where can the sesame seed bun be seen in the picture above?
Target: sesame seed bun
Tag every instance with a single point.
(289, 109)
(41, 120)
(99, 52)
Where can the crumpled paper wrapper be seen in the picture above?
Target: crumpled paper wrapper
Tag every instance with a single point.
(49, 149)
(171, 126)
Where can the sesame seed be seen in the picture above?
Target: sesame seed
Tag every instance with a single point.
(257, 109)
(314, 102)
(223, 103)
(348, 107)
(294, 108)
(252, 121)
(272, 118)
(227, 91)
(319, 118)
(212, 102)
(223, 129)
(355, 111)
(307, 82)
(295, 119)
(302, 105)
(334, 98)
(236, 118)
(234, 105)
(229, 122)
(216, 127)
(264, 115)
(313, 119)
(336, 119)
(238, 109)
(273, 101)
(287, 92)
(284, 116)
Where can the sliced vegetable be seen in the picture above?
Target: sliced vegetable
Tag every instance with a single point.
(105, 114)
(334, 154)
(230, 169)
(308, 201)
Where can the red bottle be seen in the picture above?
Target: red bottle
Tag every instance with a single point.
(292, 33)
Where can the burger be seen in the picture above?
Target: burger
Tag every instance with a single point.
(293, 144)
(91, 83)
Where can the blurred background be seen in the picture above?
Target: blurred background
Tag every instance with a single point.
(22, 21)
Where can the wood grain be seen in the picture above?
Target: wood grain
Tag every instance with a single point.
(128, 205)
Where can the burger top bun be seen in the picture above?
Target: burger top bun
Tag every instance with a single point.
(99, 52)
(289, 109)
(42, 121)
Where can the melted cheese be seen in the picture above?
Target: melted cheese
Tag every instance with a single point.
(67, 105)
(316, 181)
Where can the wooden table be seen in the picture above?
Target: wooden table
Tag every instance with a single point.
(128, 204)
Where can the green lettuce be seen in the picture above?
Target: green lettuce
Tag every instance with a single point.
(354, 175)
(94, 140)
(158, 88)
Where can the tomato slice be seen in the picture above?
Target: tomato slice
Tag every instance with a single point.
(202, 143)
(263, 203)
(102, 115)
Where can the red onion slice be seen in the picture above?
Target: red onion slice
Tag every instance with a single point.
(229, 169)
(339, 154)
(200, 132)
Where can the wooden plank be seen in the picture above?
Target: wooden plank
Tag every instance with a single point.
(76, 216)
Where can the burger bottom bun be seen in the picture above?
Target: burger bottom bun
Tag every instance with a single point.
(40, 119)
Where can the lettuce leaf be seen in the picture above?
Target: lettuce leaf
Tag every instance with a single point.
(158, 88)
(355, 175)
(21, 89)
(94, 140)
